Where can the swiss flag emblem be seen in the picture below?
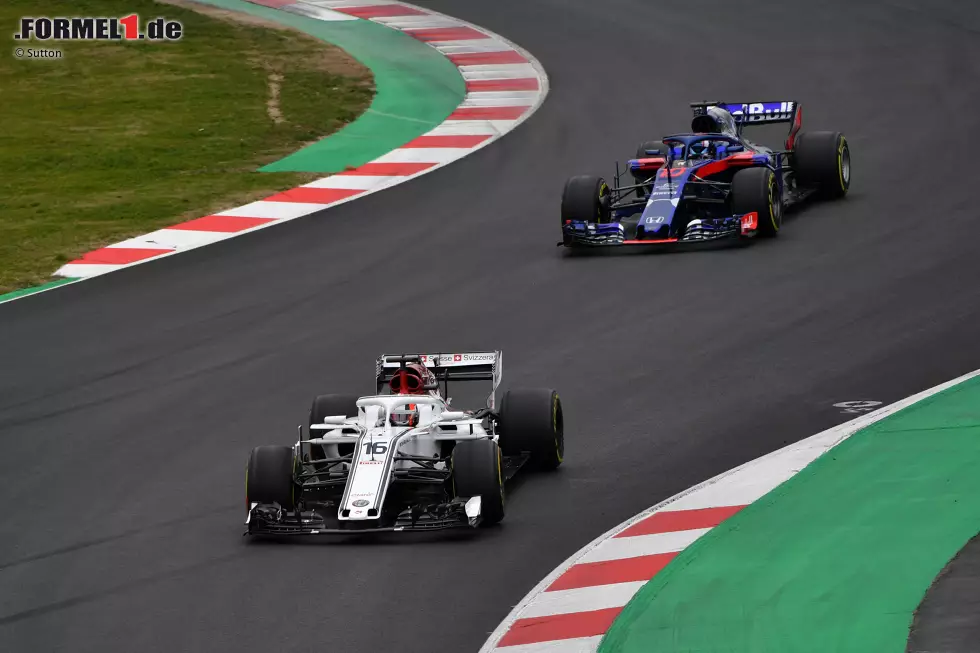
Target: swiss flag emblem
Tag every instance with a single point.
(457, 358)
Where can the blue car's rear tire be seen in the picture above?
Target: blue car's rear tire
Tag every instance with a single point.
(822, 160)
(754, 190)
(641, 153)
(641, 150)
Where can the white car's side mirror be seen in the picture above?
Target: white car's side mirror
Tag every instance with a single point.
(334, 419)
(452, 415)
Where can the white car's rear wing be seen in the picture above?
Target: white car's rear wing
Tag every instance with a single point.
(457, 366)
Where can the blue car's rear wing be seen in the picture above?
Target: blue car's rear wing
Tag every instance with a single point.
(748, 114)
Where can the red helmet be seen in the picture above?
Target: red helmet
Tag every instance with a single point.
(412, 380)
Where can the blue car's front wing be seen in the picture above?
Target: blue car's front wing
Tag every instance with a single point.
(591, 234)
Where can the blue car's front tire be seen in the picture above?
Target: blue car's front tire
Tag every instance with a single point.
(586, 198)
(754, 190)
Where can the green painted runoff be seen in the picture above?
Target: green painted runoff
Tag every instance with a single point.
(836, 559)
(33, 289)
(416, 89)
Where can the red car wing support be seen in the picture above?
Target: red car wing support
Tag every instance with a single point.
(795, 129)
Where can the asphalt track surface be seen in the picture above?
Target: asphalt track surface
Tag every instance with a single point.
(948, 619)
(128, 403)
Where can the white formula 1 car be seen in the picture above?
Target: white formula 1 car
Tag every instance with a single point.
(403, 459)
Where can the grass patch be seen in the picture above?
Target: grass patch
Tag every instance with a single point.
(116, 139)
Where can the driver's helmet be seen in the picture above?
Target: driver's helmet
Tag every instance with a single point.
(702, 150)
(412, 380)
(407, 415)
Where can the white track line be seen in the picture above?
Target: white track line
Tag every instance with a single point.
(423, 155)
(582, 599)
(277, 210)
(579, 645)
(643, 545)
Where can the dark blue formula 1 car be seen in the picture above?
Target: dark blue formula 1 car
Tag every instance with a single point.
(709, 185)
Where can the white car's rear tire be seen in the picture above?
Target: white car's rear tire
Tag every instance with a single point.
(324, 406)
(532, 421)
